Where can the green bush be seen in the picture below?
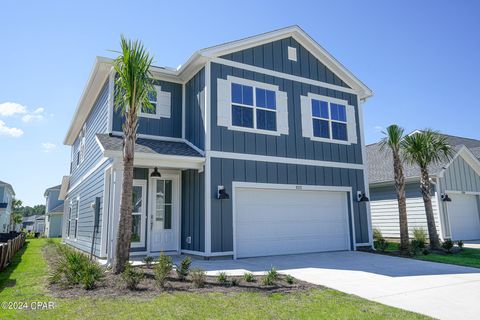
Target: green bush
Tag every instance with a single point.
(73, 267)
(248, 277)
(148, 260)
(447, 245)
(131, 276)
(234, 282)
(289, 279)
(460, 244)
(162, 269)
(380, 245)
(420, 236)
(416, 247)
(184, 268)
(222, 278)
(270, 277)
(377, 234)
(198, 277)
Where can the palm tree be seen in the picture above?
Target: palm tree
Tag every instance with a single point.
(393, 141)
(133, 84)
(17, 214)
(425, 148)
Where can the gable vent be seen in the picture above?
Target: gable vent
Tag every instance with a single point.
(292, 53)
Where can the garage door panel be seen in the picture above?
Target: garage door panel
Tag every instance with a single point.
(272, 221)
(464, 217)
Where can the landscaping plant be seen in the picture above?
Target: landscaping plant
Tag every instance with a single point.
(162, 269)
(248, 277)
(234, 282)
(447, 245)
(198, 277)
(131, 276)
(270, 277)
(222, 278)
(184, 268)
(460, 244)
(420, 236)
(148, 261)
(289, 279)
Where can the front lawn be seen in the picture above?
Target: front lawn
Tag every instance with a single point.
(25, 280)
(468, 257)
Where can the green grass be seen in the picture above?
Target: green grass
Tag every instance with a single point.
(26, 280)
(467, 257)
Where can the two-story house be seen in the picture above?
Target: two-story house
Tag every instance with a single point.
(53, 212)
(254, 147)
(6, 197)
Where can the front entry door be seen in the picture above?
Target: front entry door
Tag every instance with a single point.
(163, 217)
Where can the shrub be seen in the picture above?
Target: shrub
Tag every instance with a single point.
(234, 282)
(420, 236)
(416, 247)
(447, 245)
(198, 277)
(162, 269)
(248, 277)
(460, 244)
(380, 245)
(74, 267)
(222, 278)
(289, 279)
(377, 234)
(148, 261)
(183, 270)
(131, 276)
(270, 277)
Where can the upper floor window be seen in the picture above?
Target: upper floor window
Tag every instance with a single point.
(82, 148)
(328, 119)
(160, 104)
(251, 106)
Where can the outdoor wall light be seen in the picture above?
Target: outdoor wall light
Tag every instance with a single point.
(221, 193)
(446, 198)
(155, 173)
(362, 197)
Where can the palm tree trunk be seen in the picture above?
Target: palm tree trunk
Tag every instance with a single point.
(402, 203)
(427, 200)
(124, 234)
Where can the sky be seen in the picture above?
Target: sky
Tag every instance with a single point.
(420, 58)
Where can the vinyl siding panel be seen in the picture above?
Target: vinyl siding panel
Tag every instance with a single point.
(52, 200)
(384, 210)
(195, 110)
(55, 226)
(293, 145)
(2, 193)
(96, 123)
(166, 127)
(193, 210)
(255, 171)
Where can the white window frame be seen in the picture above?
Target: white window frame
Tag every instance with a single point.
(77, 216)
(329, 100)
(292, 53)
(254, 85)
(69, 223)
(83, 143)
(143, 214)
(329, 119)
(158, 111)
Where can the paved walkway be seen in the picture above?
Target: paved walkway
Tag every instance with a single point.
(439, 290)
(475, 244)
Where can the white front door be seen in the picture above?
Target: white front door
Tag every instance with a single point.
(139, 192)
(164, 215)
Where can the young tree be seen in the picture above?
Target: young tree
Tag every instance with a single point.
(425, 148)
(132, 86)
(393, 141)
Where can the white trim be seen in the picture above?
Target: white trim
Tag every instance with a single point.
(107, 194)
(282, 75)
(472, 193)
(111, 99)
(466, 155)
(441, 210)
(161, 161)
(307, 162)
(77, 218)
(208, 108)
(88, 173)
(183, 110)
(64, 188)
(208, 205)
(212, 254)
(143, 214)
(252, 185)
(191, 145)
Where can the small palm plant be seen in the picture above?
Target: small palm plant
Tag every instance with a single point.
(425, 148)
(132, 87)
(393, 140)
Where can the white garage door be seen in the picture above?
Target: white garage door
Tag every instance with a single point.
(464, 217)
(274, 222)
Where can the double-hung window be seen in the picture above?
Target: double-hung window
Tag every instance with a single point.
(329, 120)
(76, 218)
(152, 98)
(160, 104)
(69, 224)
(254, 108)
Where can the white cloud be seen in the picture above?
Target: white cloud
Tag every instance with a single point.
(35, 115)
(12, 132)
(39, 110)
(48, 146)
(11, 108)
(379, 129)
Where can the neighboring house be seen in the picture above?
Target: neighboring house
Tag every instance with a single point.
(6, 197)
(53, 213)
(35, 223)
(458, 219)
(254, 147)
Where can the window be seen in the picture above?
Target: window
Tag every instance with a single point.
(137, 215)
(152, 98)
(163, 210)
(76, 219)
(69, 220)
(160, 104)
(292, 53)
(253, 107)
(329, 120)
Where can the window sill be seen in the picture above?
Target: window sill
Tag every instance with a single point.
(150, 116)
(330, 140)
(256, 131)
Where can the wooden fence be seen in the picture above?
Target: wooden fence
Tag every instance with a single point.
(9, 248)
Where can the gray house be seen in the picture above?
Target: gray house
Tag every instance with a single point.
(53, 213)
(255, 148)
(6, 197)
(457, 180)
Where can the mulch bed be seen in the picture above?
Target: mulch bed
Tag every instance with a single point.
(112, 285)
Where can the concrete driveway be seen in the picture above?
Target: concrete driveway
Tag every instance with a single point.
(438, 290)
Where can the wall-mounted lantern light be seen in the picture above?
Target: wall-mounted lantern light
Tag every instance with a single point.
(221, 193)
(446, 198)
(362, 197)
(155, 173)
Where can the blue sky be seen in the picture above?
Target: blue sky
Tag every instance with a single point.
(419, 57)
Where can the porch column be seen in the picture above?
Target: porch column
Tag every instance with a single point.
(117, 180)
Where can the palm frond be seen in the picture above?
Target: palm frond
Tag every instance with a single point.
(393, 138)
(426, 147)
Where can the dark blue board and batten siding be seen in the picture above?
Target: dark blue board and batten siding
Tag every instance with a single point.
(165, 127)
(277, 173)
(193, 210)
(195, 110)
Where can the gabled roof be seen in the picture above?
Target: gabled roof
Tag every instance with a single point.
(55, 188)
(8, 186)
(57, 209)
(103, 66)
(380, 162)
